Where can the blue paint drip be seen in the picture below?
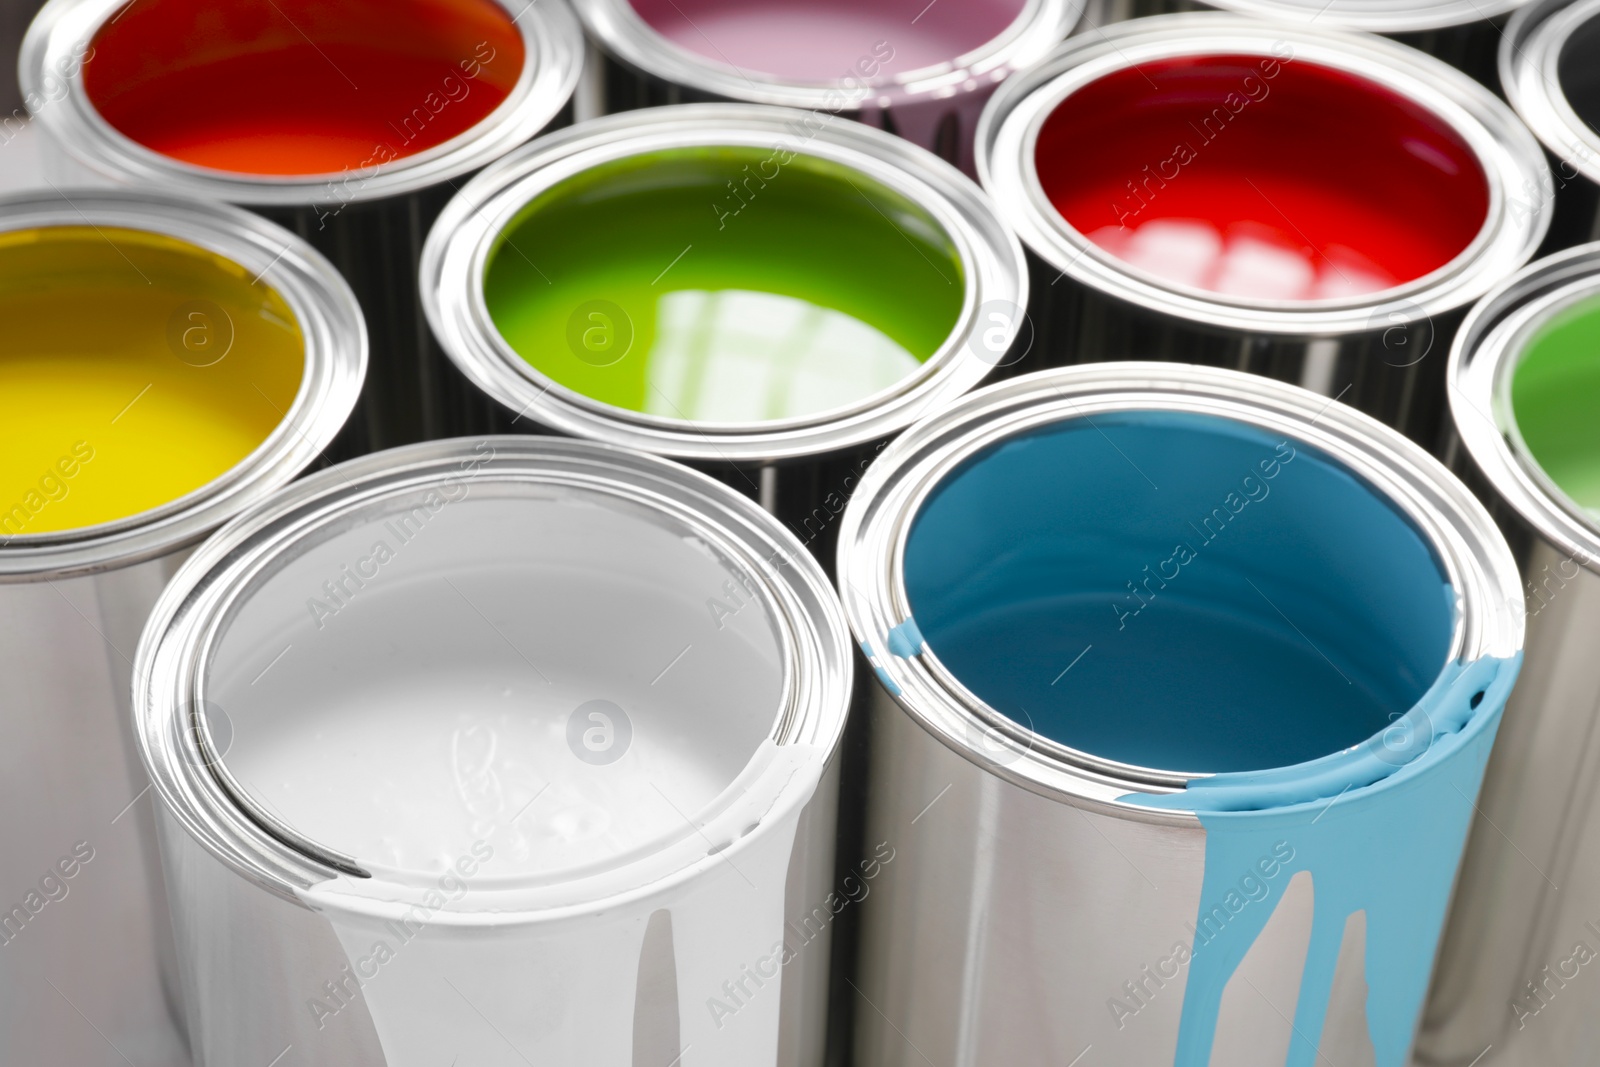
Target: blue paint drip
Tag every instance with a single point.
(905, 640)
(1386, 841)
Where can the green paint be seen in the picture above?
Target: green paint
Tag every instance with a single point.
(1555, 398)
(806, 286)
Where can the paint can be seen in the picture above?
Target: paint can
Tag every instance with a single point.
(1110, 833)
(164, 364)
(1545, 63)
(764, 293)
(1464, 33)
(1314, 206)
(349, 122)
(1523, 388)
(920, 70)
(603, 832)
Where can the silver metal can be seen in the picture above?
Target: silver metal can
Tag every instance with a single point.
(86, 957)
(1208, 188)
(512, 749)
(1464, 33)
(265, 107)
(1113, 841)
(1546, 73)
(1510, 989)
(911, 68)
(837, 282)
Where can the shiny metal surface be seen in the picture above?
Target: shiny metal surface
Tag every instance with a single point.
(1027, 891)
(1529, 59)
(792, 466)
(252, 949)
(1381, 353)
(89, 979)
(1532, 868)
(370, 223)
(934, 107)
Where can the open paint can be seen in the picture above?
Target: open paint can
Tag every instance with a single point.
(760, 293)
(1186, 681)
(1318, 207)
(1525, 385)
(1464, 33)
(1547, 71)
(163, 365)
(920, 70)
(513, 750)
(347, 121)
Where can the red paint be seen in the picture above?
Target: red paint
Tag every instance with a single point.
(300, 87)
(1261, 177)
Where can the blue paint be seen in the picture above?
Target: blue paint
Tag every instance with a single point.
(1380, 828)
(905, 640)
(883, 675)
(1185, 592)
(1058, 540)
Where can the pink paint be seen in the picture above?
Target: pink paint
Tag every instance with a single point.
(825, 40)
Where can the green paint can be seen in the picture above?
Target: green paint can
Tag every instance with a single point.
(766, 294)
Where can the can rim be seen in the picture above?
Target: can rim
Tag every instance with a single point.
(1375, 16)
(457, 248)
(625, 34)
(1530, 53)
(553, 59)
(1476, 561)
(169, 682)
(1490, 344)
(1521, 197)
(335, 352)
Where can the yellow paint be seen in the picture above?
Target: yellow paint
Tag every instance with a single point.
(116, 394)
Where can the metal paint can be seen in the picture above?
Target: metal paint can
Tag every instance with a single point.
(514, 749)
(165, 364)
(919, 70)
(349, 122)
(1545, 62)
(1510, 971)
(1464, 33)
(1315, 206)
(764, 293)
(1113, 842)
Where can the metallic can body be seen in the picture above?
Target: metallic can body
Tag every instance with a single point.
(1383, 352)
(370, 222)
(1532, 77)
(72, 604)
(258, 944)
(800, 469)
(1026, 897)
(1505, 978)
(936, 108)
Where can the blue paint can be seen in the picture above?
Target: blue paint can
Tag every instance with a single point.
(1187, 683)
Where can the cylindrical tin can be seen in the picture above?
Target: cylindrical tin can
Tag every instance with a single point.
(1186, 682)
(1546, 69)
(1525, 381)
(768, 294)
(349, 122)
(514, 749)
(163, 365)
(1464, 33)
(1315, 206)
(920, 70)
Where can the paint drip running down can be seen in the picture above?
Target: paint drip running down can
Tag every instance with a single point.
(1547, 69)
(1514, 969)
(1463, 33)
(920, 70)
(513, 750)
(1314, 206)
(728, 285)
(163, 365)
(1186, 683)
(347, 121)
